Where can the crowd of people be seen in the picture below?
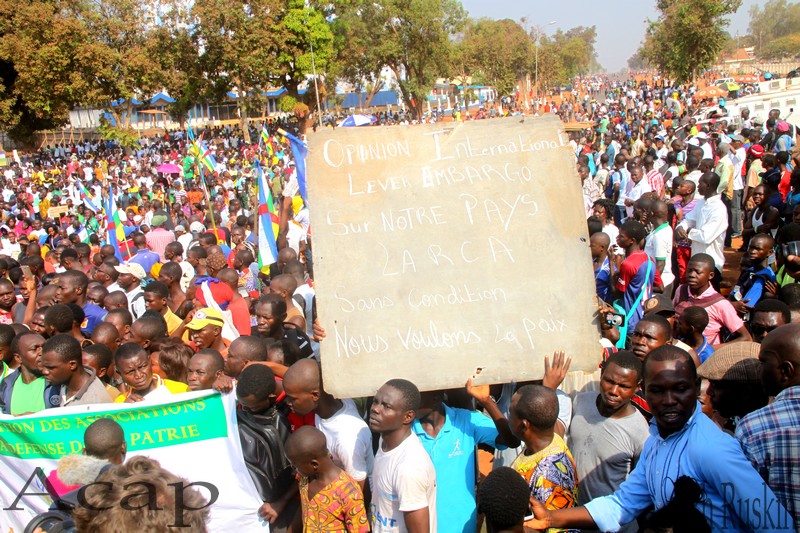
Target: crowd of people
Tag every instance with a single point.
(690, 423)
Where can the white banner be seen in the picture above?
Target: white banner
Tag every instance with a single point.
(193, 435)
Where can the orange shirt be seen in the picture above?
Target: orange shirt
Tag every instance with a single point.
(195, 197)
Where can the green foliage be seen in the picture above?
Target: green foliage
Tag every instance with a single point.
(566, 55)
(126, 137)
(775, 20)
(782, 47)
(172, 45)
(287, 104)
(495, 51)
(410, 37)
(688, 36)
(254, 45)
(637, 62)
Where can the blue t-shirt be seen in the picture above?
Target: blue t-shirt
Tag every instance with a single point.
(94, 315)
(602, 282)
(146, 259)
(704, 351)
(453, 455)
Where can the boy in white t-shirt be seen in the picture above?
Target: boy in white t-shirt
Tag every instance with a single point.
(658, 244)
(403, 479)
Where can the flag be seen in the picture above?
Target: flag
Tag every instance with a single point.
(268, 222)
(203, 154)
(300, 151)
(114, 231)
(87, 200)
(3, 159)
(200, 151)
(267, 141)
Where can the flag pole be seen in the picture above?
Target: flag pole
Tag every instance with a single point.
(208, 201)
(257, 215)
(124, 237)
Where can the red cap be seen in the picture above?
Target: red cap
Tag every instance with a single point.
(757, 151)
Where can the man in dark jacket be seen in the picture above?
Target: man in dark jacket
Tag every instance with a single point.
(263, 429)
(25, 390)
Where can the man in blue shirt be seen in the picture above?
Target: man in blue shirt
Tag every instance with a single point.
(598, 244)
(683, 442)
(143, 256)
(449, 435)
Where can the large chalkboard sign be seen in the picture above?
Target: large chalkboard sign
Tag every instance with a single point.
(440, 249)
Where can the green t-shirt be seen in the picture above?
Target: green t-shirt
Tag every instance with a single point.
(188, 166)
(28, 398)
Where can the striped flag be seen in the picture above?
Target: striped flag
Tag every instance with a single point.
(114, 231)
(264, 134)
(87, 200)
(3, 159)
(300, 152)
(201, 152)
(268, 222)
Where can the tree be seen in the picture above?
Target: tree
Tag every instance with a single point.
(251, 46)
(498, 51)
(75, 52)
(775, 19)
(174, 48)
(576, 48)
(637, 62)
(356, 58)
(236, 38)
(115, 59)
(688, 36)
(782, 47)
(410, 37)
(39, 52)
(296, 32)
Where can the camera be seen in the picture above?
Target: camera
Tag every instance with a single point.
(615, 319)
(790, 248)
(52, 522)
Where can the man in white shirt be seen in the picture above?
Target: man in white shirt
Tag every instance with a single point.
(738, 157)
(702, 139)
(706, 224)
(640, 186)
(348, 437)
(11, 247)
(403, 479)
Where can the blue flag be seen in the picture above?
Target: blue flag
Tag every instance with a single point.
(300, 151)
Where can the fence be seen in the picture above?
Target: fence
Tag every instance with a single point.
(44, 138)
(776, 68)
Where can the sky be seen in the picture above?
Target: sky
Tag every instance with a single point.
(620, 23)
